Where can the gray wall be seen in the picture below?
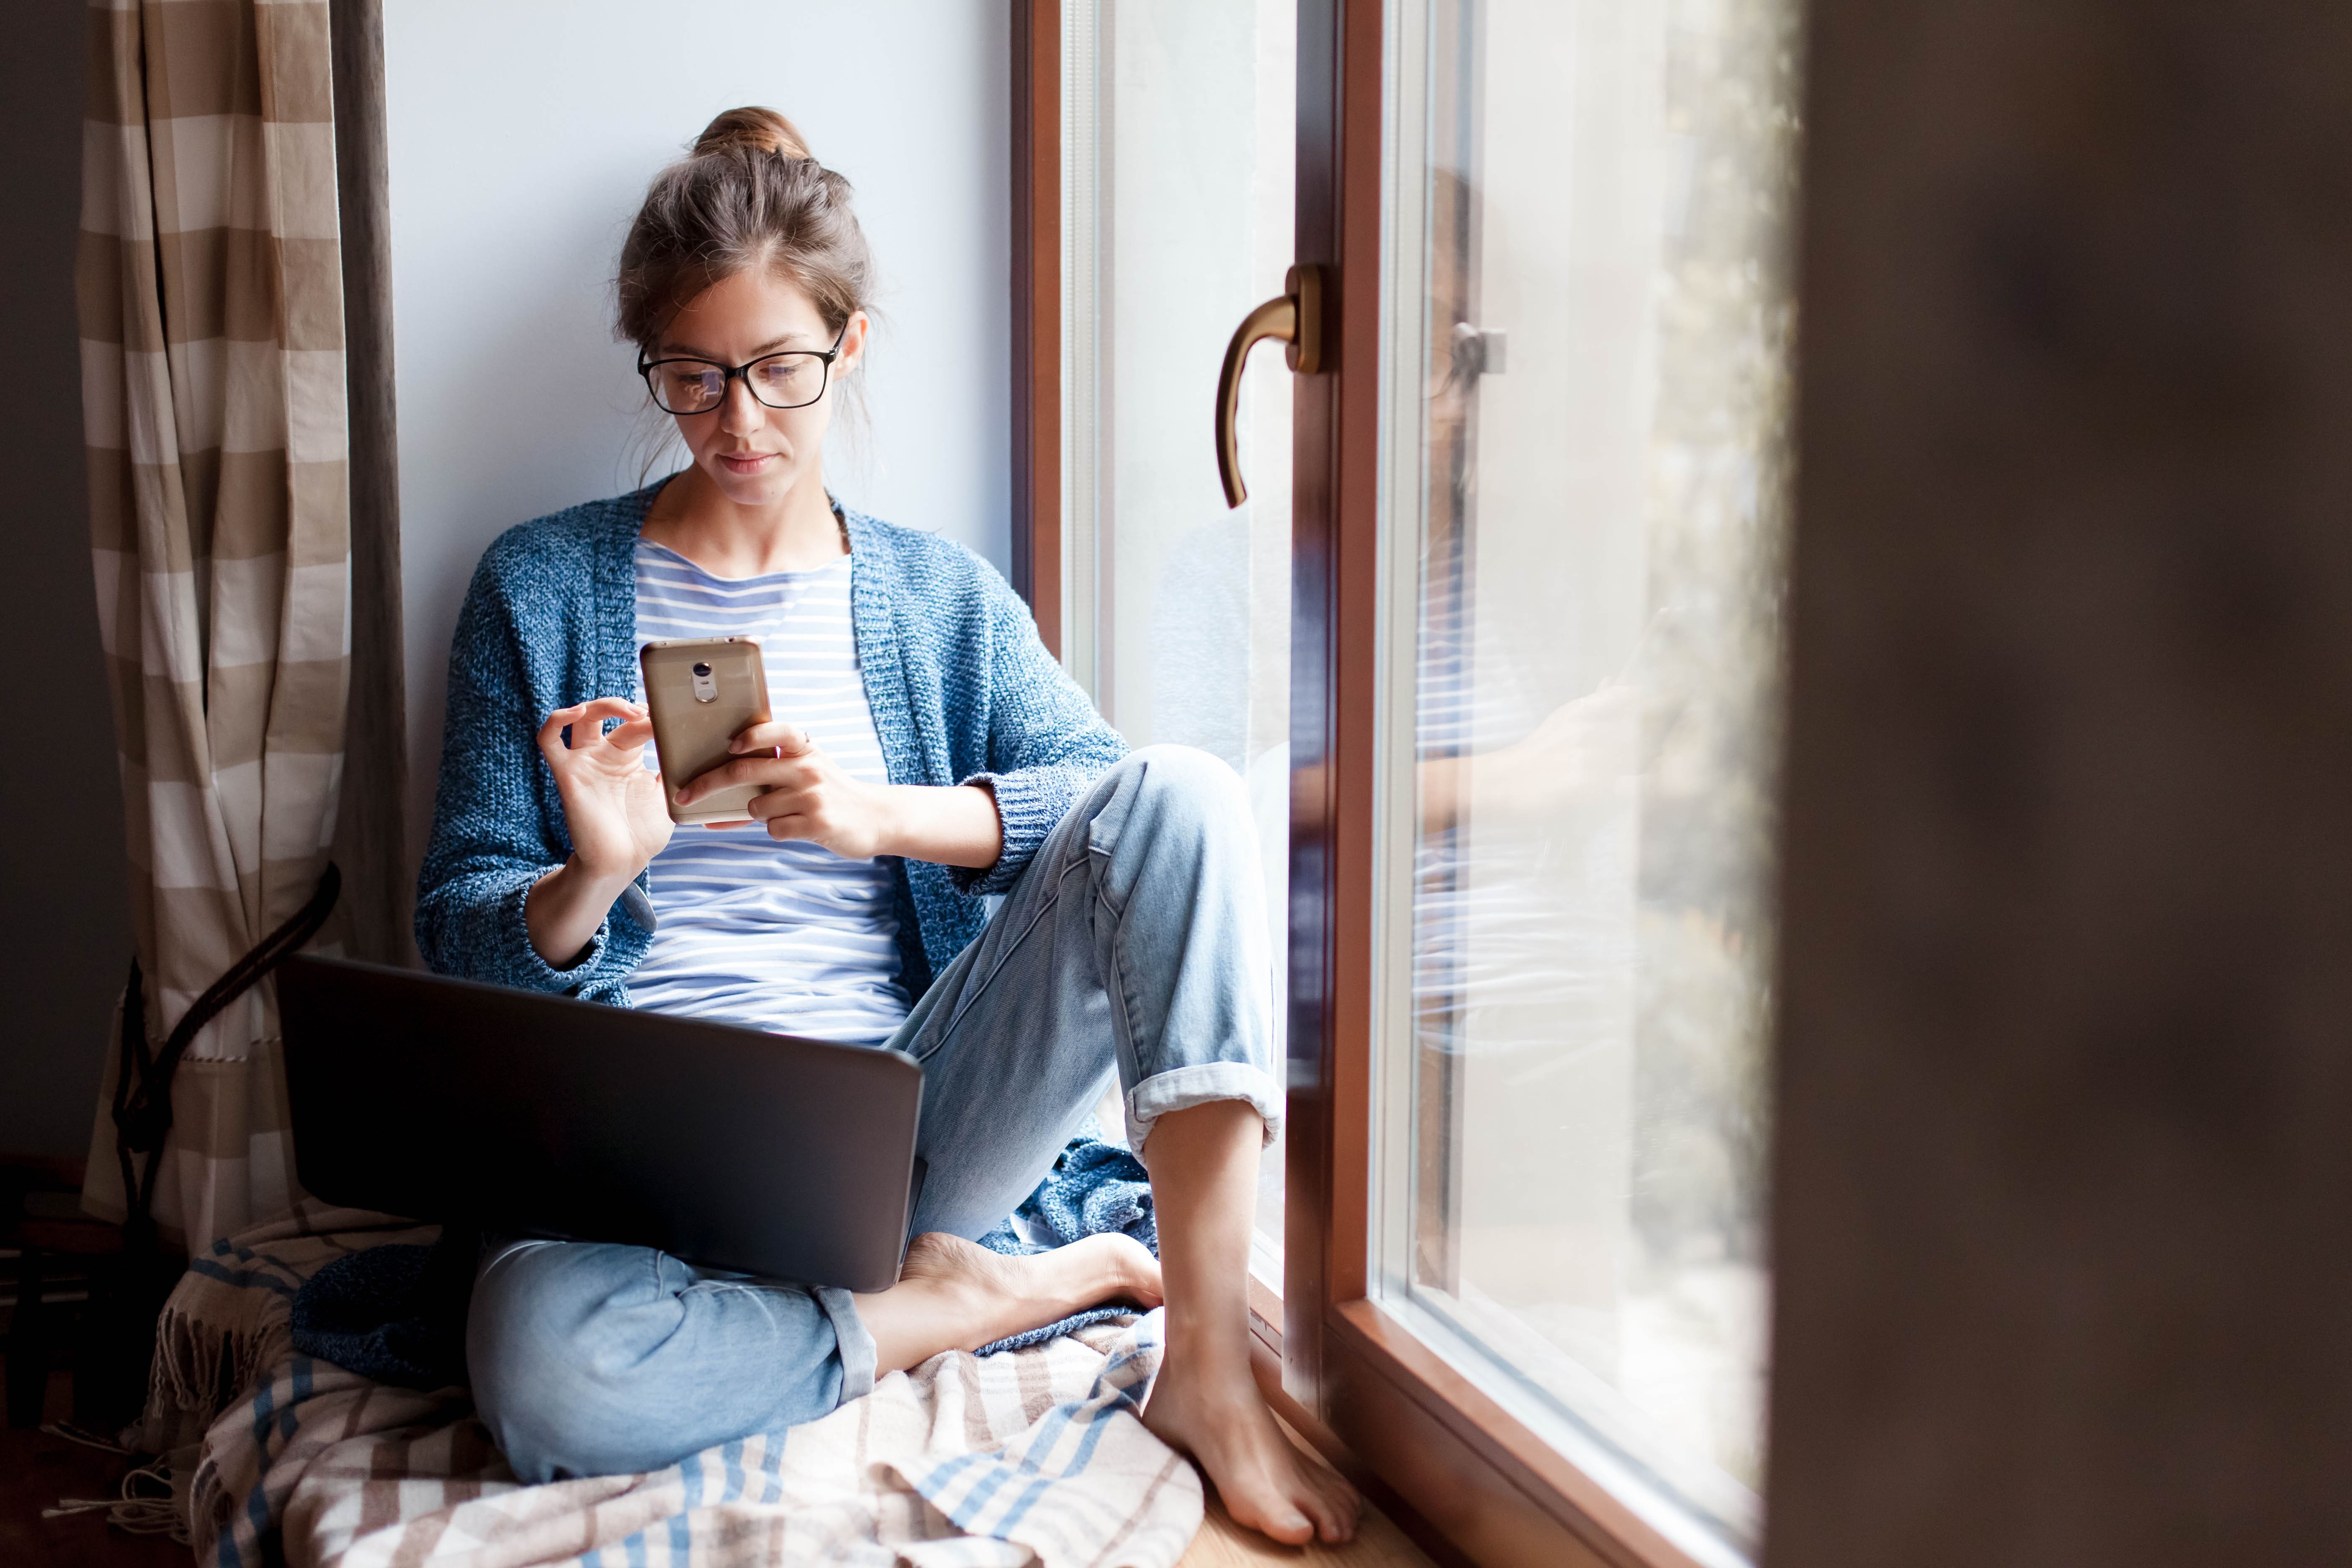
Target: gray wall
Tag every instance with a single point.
(520, 138)
(65, 934)
(926, 141)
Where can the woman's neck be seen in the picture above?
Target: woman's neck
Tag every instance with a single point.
(694, 517)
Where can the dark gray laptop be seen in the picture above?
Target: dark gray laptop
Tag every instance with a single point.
(732, 1148)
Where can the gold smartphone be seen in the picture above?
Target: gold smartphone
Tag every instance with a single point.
(702, 693)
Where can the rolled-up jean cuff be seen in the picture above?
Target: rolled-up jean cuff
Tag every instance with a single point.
(1181, 1088)
(855, 1342)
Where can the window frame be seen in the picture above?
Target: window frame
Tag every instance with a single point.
(1035, 207)
(1493, 1487)
(1465, 1475)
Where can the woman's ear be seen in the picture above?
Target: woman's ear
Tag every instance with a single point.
(853, 342)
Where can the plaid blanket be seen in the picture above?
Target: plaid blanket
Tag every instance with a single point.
(227, 1324)
(1028, 1455)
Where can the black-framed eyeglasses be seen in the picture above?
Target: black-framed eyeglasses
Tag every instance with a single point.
(792, 379)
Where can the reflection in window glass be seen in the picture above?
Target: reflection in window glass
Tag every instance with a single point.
(1589, 320)
(1177, 147)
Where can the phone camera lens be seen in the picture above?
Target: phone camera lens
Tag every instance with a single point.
(702, 671)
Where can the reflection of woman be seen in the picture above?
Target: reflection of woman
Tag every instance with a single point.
(1492, 754)
(929, 754)
(1514, 958)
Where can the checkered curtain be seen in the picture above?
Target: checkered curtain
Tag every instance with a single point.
(212, 325)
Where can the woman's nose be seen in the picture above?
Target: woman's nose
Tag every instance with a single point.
(742, 413)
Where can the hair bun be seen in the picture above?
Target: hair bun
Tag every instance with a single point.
(754, 129)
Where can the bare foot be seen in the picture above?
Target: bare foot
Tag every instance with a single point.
(1266, 1482)
(954, 1294)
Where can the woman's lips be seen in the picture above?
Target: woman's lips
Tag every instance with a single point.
(746, 463)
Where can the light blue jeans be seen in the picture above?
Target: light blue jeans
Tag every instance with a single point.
(1133, 945)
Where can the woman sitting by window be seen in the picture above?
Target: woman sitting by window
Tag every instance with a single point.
(930, 753)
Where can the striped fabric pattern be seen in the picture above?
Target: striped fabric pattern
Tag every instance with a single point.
(1033, 1455)
(783, 936)
(210, 303)
(1022, 1492)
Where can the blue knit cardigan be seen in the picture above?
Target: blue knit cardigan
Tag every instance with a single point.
(961, 690)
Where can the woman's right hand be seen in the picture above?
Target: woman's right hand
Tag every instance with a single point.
(613, 803)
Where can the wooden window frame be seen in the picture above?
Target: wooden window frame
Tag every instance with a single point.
(371, 821)
(1465, 1478)
(1498, 1490)
(1036, 315)
(1036, 74)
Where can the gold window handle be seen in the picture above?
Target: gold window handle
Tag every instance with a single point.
(1296, 318)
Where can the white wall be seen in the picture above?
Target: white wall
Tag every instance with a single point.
(521, 137)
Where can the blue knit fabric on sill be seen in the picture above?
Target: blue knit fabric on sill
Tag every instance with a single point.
(1093, 1187)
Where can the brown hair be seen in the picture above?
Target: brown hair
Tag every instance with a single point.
(748, 196)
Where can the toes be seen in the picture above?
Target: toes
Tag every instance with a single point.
(1279, 1522)
(1265, 1483)
(1331, 1501)
(1334, 1522)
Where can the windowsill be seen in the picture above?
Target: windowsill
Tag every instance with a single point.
(1265, 1314)
(1265, 1292)
(1614, 1502)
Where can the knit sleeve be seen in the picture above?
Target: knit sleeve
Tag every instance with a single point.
(1046, 741)
(496, 825)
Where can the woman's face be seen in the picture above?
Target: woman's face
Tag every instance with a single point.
(757, 455)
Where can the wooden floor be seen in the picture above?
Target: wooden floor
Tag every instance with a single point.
(36, 1469)
(1222, 1543)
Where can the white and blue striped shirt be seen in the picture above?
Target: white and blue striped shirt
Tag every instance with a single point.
(782, 936)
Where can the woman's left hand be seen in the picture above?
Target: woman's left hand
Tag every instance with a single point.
(806, 794)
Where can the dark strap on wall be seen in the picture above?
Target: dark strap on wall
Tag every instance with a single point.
(142, 1084)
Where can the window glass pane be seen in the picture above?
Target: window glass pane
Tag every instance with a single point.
(1178, 144)
(1589, 320)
